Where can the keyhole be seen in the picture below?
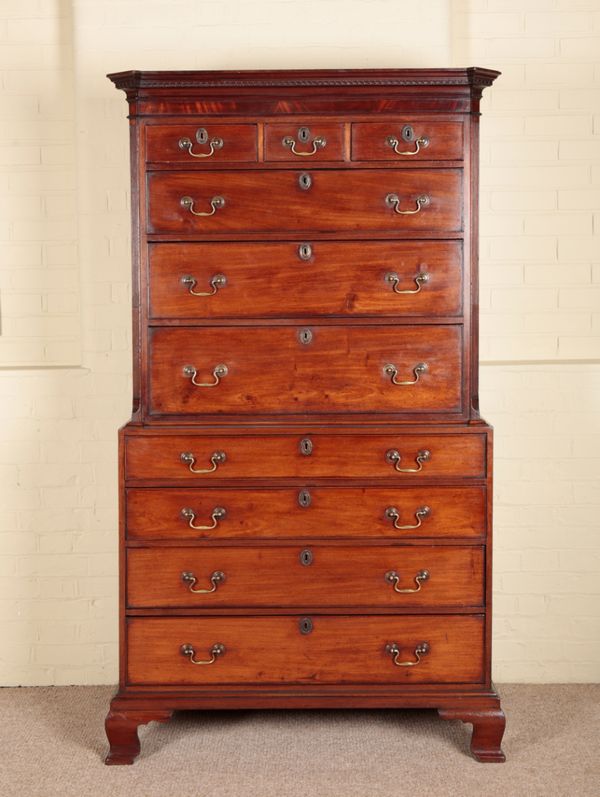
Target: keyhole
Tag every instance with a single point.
(408, 133)
(305, 624)
(305, 181)
(201, 135)
(306, 446)
(304, 498)
(305, 251)
(303, 134)
(305, 336)
(306, 557)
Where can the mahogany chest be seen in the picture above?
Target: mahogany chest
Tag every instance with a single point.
(305, 479)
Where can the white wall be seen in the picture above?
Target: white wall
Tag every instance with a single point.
(540, 296)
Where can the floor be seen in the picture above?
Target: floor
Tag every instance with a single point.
(53, 743)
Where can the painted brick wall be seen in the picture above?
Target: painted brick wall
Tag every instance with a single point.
(540, 296)
(540, 175)
(39, 274)
(540, 325)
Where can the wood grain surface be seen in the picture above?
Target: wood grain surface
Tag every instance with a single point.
(345, 279)
(337, 201)
(279, 577)
(339, 650)
(369, 140)
(279, 456)
(340, 370)
(155, 513)
(240, 143)
(332, 134)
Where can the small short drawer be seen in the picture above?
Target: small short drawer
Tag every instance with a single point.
(292, 576)
(200, 459)
(393, 513)
(204, 143)
(304, 143)
(285, 279)
(407, 141)
(305, 649)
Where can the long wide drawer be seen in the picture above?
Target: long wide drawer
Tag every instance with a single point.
(248, 513)
(309, 200)
(287, 369)
(204, 458)
(389, 278)
(289, 576)
(316, 649)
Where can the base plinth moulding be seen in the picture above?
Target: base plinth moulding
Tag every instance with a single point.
(128, 712)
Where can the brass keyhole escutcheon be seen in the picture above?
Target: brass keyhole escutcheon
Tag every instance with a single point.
(305, 336)
(304, 134)
(306, 557)
(408, 134)
(305, 625)
(305, 251)
(201, 135)
(305, 181)
(304, 498)
(306, 446)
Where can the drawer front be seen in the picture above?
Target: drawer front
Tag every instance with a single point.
(276, 201)
(397, 456)
(338, 649)
(300, 279)
(289, 369)
(201, 144)
(246, 513)
(411, 141)
(304, 143)
(302, 577)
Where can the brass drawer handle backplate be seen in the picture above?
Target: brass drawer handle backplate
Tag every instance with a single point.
(421, 278)
(391, 371)
(217, 458)
(421, 513)
(219, 371)
(394, 457)
(393, 142)
(393, 201)
(218, 513)
(393, 577)
(303, 136)
(202, 138)
(393, 650)
(217, 281)
(218, 577)
(216, 203)
(188, 650)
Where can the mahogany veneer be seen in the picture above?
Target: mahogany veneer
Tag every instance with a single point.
(239, 143)
(453, 454)
(337, 201)
(253, 512)
(445, 140)
(338, 650)
(279, 577)
(341, 369)
(336, 279)
(305, 479)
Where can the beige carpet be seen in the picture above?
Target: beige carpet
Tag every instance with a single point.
(52, 742)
